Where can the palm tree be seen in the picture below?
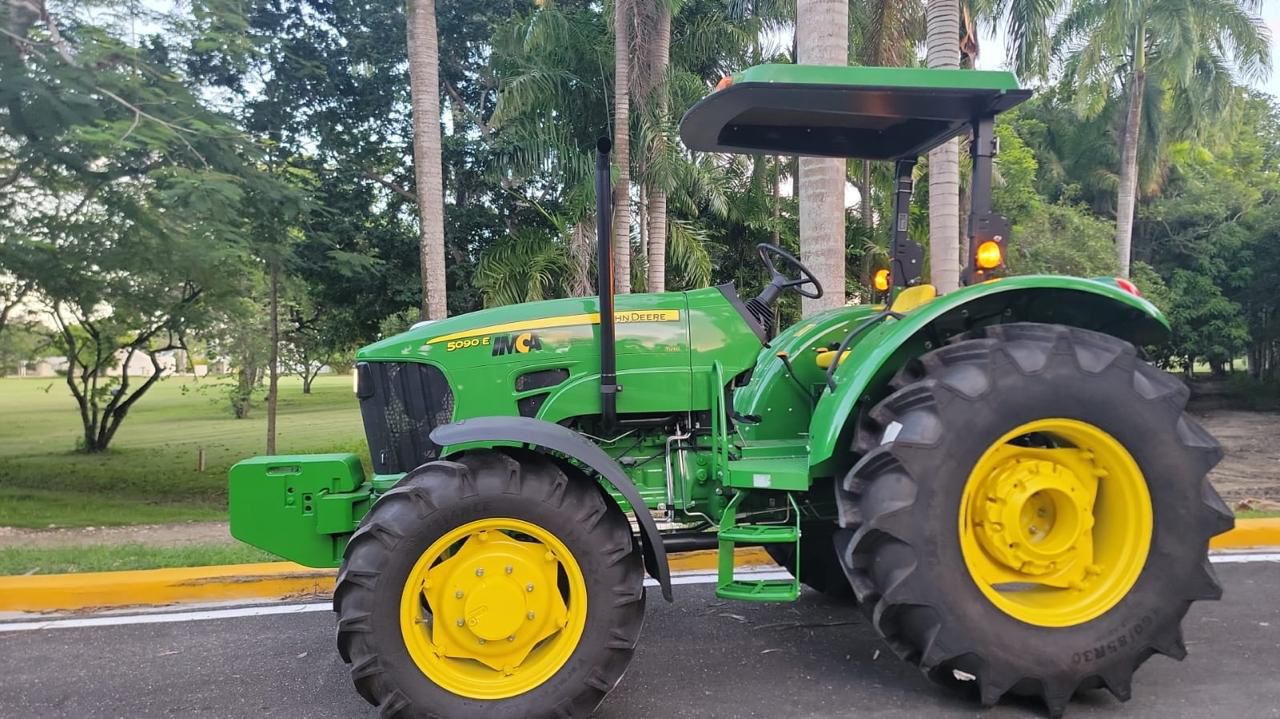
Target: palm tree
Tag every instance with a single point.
(551, 105)
(885, 34)
(657, 186)
(943, 45)
(424, 93)
(1027, 30)
(1150, 50)
(822, 38)
(623, 21)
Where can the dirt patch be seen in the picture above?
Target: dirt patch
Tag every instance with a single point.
(1251, 468)
(156, 535)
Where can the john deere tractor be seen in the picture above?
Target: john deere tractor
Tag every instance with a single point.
(1014, 497)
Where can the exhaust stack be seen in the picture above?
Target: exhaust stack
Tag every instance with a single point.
(604, 286)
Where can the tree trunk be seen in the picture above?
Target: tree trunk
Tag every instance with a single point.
(943, 42)
(582, 242)
(966, 202)
(657, 209)
(822, 38)
(868, 224)
(775, 203)
(424, 92)
(864, 201)
(642, 214)
(622, 16)
(246, 380)
(273, 358)
(1128, 192)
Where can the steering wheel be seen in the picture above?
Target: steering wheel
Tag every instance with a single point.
(783, 282)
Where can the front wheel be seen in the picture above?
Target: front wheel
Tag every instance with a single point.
(1032, 513)
(494, 586)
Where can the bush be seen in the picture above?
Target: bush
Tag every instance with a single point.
(1063, 240)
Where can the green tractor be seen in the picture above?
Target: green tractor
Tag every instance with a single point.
(1011, 494)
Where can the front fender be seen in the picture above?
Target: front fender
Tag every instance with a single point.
(526, 431)
(863, 376)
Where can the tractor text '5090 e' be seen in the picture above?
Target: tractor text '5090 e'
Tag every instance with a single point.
(1009, 492)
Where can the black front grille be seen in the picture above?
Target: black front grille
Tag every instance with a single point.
(401, 402)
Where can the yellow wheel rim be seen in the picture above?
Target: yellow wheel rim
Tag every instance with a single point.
(493, 608)
(1055, 522)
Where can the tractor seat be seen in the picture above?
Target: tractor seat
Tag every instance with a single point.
(907, 300)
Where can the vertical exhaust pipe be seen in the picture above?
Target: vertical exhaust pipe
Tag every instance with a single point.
(604, 286)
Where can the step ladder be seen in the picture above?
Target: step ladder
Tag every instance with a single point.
(732, 534)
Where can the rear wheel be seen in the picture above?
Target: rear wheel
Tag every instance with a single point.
(1032, 513)
(490, 587)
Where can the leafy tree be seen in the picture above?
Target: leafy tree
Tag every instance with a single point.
(130, 194)
(23, 341)
(239, 334)
(309, 345)
(1205, 324)
(1155, 51)
(1062, 240)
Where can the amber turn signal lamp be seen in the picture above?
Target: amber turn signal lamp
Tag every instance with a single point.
(881, 280)
(989, 255)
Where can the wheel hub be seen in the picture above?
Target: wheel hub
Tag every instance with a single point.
(1055, 522)
(494, 600)
(493, 608)
(1034, 513)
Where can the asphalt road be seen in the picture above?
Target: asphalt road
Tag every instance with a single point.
(700, 657)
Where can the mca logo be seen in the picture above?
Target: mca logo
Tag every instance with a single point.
(522, 343)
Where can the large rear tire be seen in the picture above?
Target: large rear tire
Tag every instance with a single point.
(1094, 568)
(493, 586)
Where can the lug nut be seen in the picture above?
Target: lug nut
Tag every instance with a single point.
(480, 572)
(528, 587)
(458, 594)
(482, 641)
(462, 623)
(509, 569)
(531, 616)
(511, 638)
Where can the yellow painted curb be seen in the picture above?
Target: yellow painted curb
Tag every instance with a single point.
(705, 559)
(272, 580)
(276, 580)
(1262, 532)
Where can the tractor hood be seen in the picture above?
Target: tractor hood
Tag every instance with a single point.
(542, 359)
(533, 327)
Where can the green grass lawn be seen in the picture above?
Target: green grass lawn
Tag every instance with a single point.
(63, 560)
(1256, 514)
(150, 474)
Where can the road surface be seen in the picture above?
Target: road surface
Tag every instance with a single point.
(700, 657)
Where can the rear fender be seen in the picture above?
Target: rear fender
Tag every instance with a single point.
(526, 431)
(863, 377)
